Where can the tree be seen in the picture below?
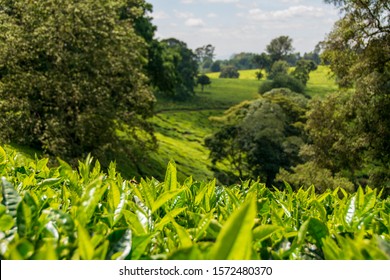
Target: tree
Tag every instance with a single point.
(358, 50)
(76, 78)
(282, 81)
(263, 61)
(349, 130)
(242, 61)
(229, 72)
(303, 69)
(259, 75)
(279, 67)
(182, 68)
(204, 80)
(261, 136)
(216, 66)
(278, 77)
(279, 48)
(159, 67)
(314, 55)
(205, 56)
(309, 174)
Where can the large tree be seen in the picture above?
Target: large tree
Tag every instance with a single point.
(259, 137)
(279, 48)
(181, 69)
(350, 130)
(205, 56)
(72, 75)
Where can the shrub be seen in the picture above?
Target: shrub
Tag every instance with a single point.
(282, 81)
(229, 72)
(203, 80)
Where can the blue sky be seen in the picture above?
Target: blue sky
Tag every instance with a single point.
(234, 26)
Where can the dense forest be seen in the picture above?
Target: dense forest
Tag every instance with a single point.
(93, 103)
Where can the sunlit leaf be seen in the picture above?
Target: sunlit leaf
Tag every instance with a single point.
(6, 222)
(134, 223)
(164, 198)
(49, 182)
(3, 156)
(167, 218)
(263, 232)
(170, 182)
(85, 246)
(234, 240)
(90, 199)
(24, 219)
(184, 237)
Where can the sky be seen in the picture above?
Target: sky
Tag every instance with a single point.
(234, 26)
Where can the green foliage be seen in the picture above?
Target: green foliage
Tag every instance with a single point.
(124, 220)
(263, 61)
(359, 56)
(203, 80)
(278, 77)
(282, 81)
(76, 78)
(216, 66)
(180, 70)
(242, 61)
(258, 137)
(279, 67)
(309, 174)
(205, 56)
(279, 48)
(230, 72)
(303, 69)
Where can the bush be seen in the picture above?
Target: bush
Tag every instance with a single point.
(229, 72)
(203, 80)
(282, 81)
(278, 68)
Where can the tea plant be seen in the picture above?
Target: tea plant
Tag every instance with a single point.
(63, 213)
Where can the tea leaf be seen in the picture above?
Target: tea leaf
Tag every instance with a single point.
(3, 156)
(120, 248)
(234, 240)
(86, 249)
(262, 232)
(170, 182)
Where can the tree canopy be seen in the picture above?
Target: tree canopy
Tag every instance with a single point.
(279, 48)
(72, 75)
(261, 136)
(349, 130)
(181, 68)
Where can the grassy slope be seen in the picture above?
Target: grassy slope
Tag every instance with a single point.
(181, 127)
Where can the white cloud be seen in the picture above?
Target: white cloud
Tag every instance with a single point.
(187, 1)
(292, 1)
(194, 22)
(212, 15)
(222, 1)
(160, 15)
(180, 14)
(292, 12)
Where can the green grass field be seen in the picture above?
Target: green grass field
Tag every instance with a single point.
(320, 83)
